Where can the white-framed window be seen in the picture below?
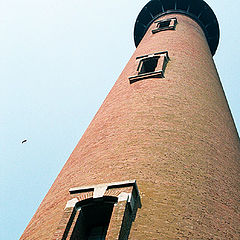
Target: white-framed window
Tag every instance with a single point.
(150, 66)
(166, 24)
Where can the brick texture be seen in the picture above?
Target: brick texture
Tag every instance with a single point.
(174, 135)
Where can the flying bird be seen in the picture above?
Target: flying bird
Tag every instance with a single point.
(25, 140)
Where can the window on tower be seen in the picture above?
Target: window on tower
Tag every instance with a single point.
(150, 66)
(100, 211)
(166, 24)
(93, 220)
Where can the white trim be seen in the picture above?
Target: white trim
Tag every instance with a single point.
(71, 203)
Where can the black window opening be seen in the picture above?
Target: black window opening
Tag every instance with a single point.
(93, 221)
(148, 65)
(163, 24)
(166, 24)
(98, 232)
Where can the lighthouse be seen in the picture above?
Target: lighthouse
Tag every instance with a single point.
(161, 157)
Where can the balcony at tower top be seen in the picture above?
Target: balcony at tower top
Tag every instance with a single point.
(198, 10)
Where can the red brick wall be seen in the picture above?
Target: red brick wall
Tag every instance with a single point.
(174, 135)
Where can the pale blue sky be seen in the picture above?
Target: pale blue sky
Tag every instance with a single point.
(58, 61)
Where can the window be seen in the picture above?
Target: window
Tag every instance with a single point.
(166, 24)
(99, 211)
(98, 232)
(150, 66)
(93, 220)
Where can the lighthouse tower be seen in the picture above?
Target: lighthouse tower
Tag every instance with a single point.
(161, 158)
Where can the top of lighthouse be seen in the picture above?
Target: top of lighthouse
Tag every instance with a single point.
(198, 10)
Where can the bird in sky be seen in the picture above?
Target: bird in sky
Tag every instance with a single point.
(25, 140)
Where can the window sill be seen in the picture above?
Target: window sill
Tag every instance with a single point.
(157, 74)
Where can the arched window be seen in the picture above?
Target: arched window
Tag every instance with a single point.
(99, 211)
(93, 219)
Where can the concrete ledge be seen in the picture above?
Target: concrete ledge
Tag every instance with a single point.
(104, 185)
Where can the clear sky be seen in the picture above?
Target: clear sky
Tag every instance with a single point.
(58, 61)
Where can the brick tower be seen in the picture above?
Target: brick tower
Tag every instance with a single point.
(161, 158)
